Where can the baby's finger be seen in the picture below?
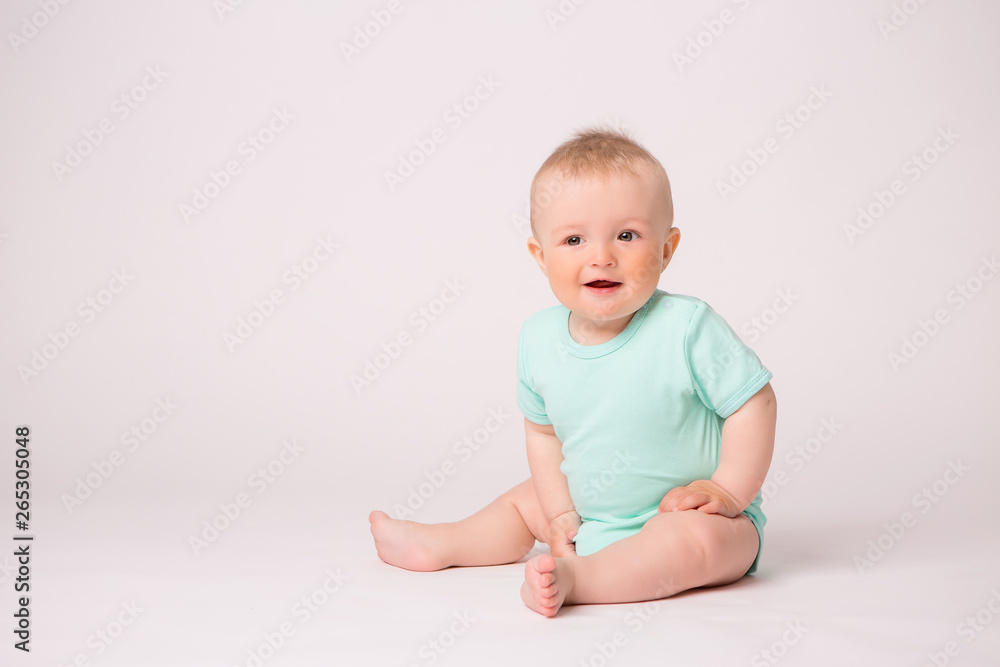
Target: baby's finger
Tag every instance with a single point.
(670, 500)
(677, 500)
(563, 545)
(712, 507)
(692, 501)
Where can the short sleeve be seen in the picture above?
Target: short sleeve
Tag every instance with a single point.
(531, 405)
(725, 372)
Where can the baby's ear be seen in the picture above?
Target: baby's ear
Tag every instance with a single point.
(670, 245)
(535, 250)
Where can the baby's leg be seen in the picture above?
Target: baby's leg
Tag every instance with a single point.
(673, 552)
(502, 532)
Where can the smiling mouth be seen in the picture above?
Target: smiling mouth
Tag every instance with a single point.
(602, 284)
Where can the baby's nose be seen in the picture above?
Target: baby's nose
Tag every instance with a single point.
(601, 255)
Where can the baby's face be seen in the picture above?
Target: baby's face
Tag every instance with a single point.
(602, 244)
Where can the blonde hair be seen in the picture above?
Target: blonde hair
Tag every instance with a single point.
(602, 152)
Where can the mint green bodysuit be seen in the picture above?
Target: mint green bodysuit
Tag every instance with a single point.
(639, 414)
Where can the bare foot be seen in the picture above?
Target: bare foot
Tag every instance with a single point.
(547, 582)
(407, 544)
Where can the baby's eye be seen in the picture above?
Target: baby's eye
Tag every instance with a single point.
(626, 236)
(574, 240)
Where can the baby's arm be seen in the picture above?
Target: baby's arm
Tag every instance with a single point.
(747, 446)
(551, 488)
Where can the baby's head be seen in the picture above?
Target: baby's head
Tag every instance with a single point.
(602, 226)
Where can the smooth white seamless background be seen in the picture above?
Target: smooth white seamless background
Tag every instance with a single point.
(289, 140)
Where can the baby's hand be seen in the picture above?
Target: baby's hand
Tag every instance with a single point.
(562, 530)
(703, 495)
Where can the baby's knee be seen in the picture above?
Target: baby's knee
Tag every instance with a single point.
(709, 538)
(692, 538)
(523, 492)
(523, 497)
(525, 500)
(723, 547)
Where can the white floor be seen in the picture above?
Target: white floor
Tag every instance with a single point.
(156, 604)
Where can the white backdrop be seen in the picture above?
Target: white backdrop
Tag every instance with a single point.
(200, 247)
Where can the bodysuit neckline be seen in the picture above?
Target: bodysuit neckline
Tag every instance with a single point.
(609, 346)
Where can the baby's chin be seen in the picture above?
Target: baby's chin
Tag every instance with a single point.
(628, 297)
(605, 315)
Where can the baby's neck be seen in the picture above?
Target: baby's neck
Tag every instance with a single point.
(594, 333)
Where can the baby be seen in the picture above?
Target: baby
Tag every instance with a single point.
(649, 424)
